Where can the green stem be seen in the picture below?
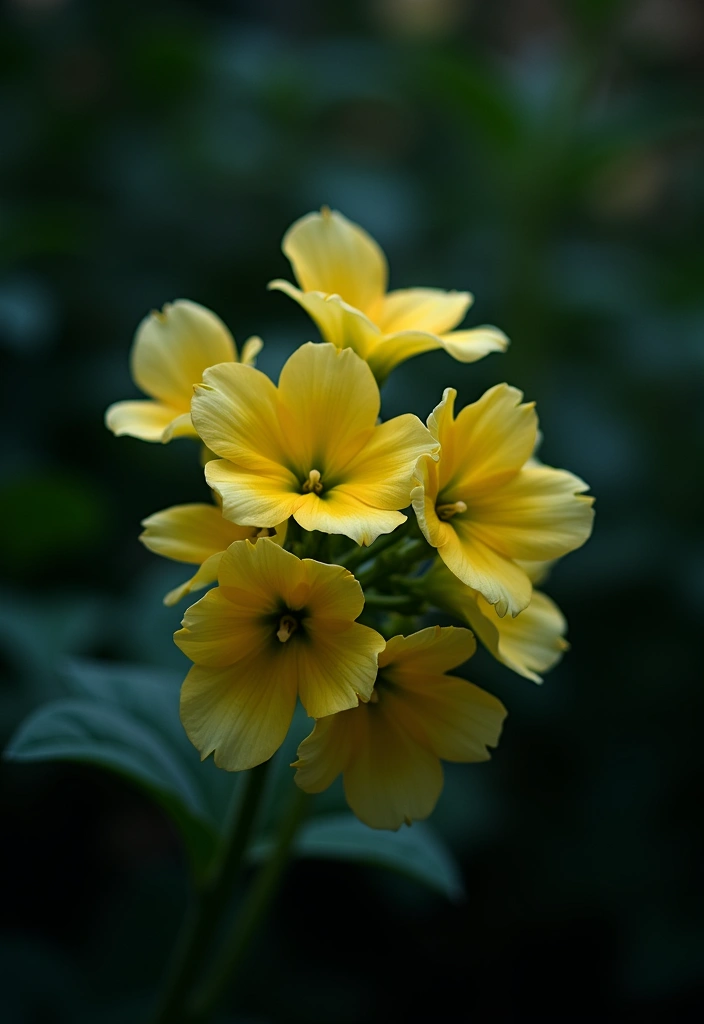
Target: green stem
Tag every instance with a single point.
(357, 555)
(256, 904)
(411, 553)
(208, 903)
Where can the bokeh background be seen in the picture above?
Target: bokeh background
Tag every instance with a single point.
(549, 156)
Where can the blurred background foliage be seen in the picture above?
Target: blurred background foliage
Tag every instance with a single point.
(549, 156)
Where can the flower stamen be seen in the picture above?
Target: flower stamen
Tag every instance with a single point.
(287, 627)
(445, 512)
(312, 484)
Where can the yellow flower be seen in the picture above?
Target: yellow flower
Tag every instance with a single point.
(388, 751)
(310, 448)
(170, 351)
(198, 534)
(485, 509)
(343, 275)
(275, 627)
(530, 643)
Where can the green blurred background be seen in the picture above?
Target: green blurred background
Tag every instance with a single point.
(550, 158)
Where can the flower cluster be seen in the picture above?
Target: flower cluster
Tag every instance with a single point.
(318, 570)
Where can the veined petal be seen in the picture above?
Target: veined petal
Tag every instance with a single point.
(433, 651)
(207, 573)
(469, 346)
(331, 591)
(191, 533)
(539, 514)
(339, 513)
(491, 440)
(336, 667)
(235, 412)
(172, 348)
(328, 405)
(499, 579)
(250, 350)
(423, 498)
(255, 577)
(325, 753)
(392, 778)
(531, 643)
(338, 322)
(240, 712)
(455, 719)
(146, 420)
(381, 474)
(182, 426)
(330, 254)
(394, 349)
(423, 309)
(253, 498)
(216, 632)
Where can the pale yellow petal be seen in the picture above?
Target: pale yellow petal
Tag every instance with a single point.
(191, 533)
(172, 348)
(336, 667)
(331, 591)
(423, 498)
(325, 753)
(394, 349)
(241, 713)
(539, 514)
(392, 778)
(235, 412)
(250, 350)
(330, 254)
(182, 426)
(339, 513)
(500, 580)
(381, 474)
(217, 632)
(454, 719)
(207, 573)
(257, 577)
(469, 346)
(338, 322)
(149, 421)
(423, 309)
(531, 643)
(491, 440)
(328, 406)
(434, 650)
(261, 499)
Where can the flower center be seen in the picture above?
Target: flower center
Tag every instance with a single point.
(446, 512)
(287, 627)
(312, 484)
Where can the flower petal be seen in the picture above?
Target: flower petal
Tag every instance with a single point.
(207, 573)
(423, 309)
(217, 631)
(381, 474)
(391, 779)
(325, 752)
(149, 421)
(336, 667)
(455, 719)
(261, 499)
(469, 346)
(240, 712)
(172, 348)
(531, 643)
(539, 514)
(434, 650)
(338, 322)
(339, 513)
(250, 350)
(331, 591)
(423, 498)
(328, 406)
(499, 579)
(488, 442)
(330, 254)
(191, 533)
(235, 412)
(256, 577)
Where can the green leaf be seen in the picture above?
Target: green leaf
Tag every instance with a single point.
(416, 852)
(125, 719)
